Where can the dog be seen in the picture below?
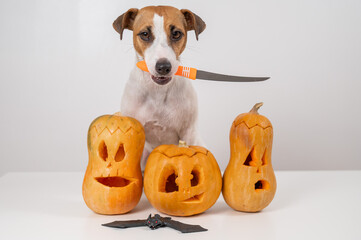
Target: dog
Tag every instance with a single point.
(165, 104)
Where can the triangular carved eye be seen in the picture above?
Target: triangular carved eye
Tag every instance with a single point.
(249, 160)
(264, 160)
(103, 151)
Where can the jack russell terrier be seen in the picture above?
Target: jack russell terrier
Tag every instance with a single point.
(165, 104)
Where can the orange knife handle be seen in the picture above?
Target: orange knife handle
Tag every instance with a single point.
(187, 72)
(142, 66)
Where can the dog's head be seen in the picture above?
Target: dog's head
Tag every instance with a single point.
(159, 36)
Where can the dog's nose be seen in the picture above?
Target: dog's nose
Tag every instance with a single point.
(163, 66)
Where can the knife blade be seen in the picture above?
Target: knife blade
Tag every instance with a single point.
(204, 75)
(194, 74)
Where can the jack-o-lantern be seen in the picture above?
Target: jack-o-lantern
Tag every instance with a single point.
(249, 183)
(113, 179)
(182, 180)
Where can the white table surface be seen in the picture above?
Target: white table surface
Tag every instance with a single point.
(307, 205)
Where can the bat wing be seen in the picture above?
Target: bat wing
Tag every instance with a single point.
(183, 227)
(126, 224)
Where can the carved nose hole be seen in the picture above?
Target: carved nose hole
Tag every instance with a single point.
(261, 185)
(103, 151)
(195, 180)
(109, 165)
(119, 156)
(171, 185)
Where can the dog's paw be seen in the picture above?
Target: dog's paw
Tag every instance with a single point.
(154, 126)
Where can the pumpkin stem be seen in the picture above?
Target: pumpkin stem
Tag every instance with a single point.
(182, 144)
(117, 114)
(256, 107)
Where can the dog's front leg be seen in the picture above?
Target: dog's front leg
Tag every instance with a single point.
(191, 136)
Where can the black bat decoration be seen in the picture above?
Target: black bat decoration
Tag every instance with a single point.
(156, 222)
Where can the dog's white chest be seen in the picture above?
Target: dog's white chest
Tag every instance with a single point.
(162, 120)
(166, 112)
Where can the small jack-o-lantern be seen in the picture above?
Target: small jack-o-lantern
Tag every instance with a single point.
(113, 179)
(182, 180)
(249, 183)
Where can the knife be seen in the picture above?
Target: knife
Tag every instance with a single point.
(194, 74)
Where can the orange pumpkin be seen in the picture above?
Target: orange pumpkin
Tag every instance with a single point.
(249, 183)
(113, 179)
(182, 180)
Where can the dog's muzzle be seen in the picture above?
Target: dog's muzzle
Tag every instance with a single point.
(161, 80)
(163, 68)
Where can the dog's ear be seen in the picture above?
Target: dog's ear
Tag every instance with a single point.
(194, 22)
(125, 21)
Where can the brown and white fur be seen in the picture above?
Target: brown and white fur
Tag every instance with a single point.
(165, 104)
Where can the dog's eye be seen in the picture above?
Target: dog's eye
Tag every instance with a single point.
(145, 36)
(176, 35)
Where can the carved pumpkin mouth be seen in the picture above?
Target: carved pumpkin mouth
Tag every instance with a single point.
(195, 198)
(261, 185)
(113, 181)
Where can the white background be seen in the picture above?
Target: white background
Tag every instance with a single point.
(62, 65)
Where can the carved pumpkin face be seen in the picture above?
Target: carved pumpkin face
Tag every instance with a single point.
(249, 183)
(113, 180)
(182, 180)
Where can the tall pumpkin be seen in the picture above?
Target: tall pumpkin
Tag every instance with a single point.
(249, 183)
(113, 179)
(182, 180)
